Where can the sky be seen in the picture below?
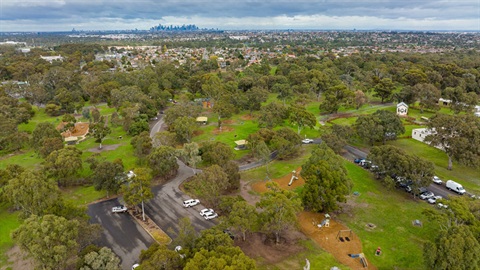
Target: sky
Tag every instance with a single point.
(65, 15)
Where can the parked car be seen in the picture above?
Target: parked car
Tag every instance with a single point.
(452, 185)
(437, 180)
(210, 216)
(408, 189)
(119, 209)
(426, 195)
(205, 211)
(191, 202)
(441, 205)
(135, 266)
(357, 160)
(307, 141)
(433, 200)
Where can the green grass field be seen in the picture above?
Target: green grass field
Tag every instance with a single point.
(392, 211)
(8, 223)
(468, 177)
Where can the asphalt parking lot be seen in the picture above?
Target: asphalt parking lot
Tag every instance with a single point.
(120, 232)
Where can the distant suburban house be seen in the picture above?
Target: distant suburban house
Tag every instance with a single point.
(202, 120)
(476, 111)
(444, 102)
(52, 58)
(402, 109)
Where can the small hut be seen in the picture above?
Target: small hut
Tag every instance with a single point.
(202, 120)
(241, 145)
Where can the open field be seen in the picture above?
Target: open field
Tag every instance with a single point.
(8, 223)
(468, 177)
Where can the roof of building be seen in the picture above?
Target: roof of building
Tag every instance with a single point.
(202, 119)
(241, 142)
(402, 104)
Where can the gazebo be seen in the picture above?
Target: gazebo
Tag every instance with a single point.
(241, 144)
(202, 119)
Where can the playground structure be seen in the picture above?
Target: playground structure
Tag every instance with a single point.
(363, 260)
(325, 222)
(294, 177)
(344, 235)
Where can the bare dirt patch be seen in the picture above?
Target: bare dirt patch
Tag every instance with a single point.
(228, 121)
(247, 117)
(258, 245)
(224, 129)
(328, 239)
(104, 148)
(17, 260)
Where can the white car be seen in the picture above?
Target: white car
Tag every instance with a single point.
(434, 199)
(426, 195)
(205, 211)
(437, 180)
(191, 202)
(135, 266)
(307, 141)
(119, 209)
(210, 216)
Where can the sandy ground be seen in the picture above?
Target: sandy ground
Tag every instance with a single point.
(326, 237)
(17, 260)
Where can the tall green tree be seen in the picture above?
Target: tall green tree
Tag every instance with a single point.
(100, 130)
(41, 132)
(64, 164)
(105, 258)
(108, 176)
(142, 146)
(458, 136)
(216, 153)
(384, 89)
(27, 191)
(222, 258)
(163, 162)
(454, 248)
(184, 127)
(137, 190)
(301, 118)
(210, 184)
(159, 257)
(285, 142)
(243, 218)
(191, 154)
(278, 210)
(428, 95)
(326, 180)
(336, 96)
(272, 115)
(50, 240)
(391, 124)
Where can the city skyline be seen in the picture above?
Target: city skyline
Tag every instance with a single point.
(65, 15)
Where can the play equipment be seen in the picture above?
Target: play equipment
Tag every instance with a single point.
(324, 223)
(363, 260)
(307, 265)
(294, 177)
(344, 235)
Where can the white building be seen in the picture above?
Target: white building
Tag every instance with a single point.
(419, 134)
(402, 109)
(52, 58)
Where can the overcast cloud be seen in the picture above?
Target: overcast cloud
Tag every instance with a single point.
(55, 15)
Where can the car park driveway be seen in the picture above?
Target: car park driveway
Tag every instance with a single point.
(120, 232)
(166, 208)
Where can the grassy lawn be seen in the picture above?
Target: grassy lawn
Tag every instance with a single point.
(278, 168)
(8, 223)
(26, 159)
(468, 177)
(83, 195)
(392, 211)
(319, 259)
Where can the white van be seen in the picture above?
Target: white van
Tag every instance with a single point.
(452, 185)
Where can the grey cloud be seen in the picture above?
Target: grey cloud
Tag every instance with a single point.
(48, 10)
